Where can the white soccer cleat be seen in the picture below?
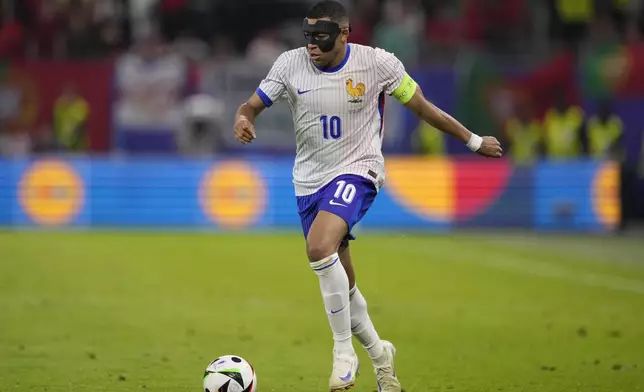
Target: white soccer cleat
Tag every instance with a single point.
(345, 370)
(386, 374)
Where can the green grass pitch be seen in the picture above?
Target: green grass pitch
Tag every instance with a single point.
(135, 312)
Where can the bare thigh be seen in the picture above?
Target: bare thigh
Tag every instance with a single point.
(325, 236)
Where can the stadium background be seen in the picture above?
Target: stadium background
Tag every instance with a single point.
(139, 240)
(138, 89)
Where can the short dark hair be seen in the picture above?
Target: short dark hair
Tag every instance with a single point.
(331, 9)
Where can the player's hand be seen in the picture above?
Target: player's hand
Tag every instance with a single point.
(244, 130)
(490, 148)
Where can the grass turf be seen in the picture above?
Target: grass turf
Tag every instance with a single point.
(133, 311)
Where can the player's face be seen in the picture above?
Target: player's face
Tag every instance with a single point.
(322, 58)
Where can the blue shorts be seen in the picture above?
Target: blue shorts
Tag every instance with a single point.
(348, 196)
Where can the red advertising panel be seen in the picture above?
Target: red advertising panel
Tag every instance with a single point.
(35, 86)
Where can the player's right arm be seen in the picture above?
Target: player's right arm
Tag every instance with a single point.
(245, 119)
(270, 90)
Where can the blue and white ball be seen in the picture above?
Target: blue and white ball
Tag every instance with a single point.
(229, 373)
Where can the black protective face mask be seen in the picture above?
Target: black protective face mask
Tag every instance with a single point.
(322, 28)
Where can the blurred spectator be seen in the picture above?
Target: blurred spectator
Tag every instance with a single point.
(173, 17)
(443, 27)
(563, 125)
(151, 84)
(617, 10)
(11, 39)
(111, 37)
(570, 19)
(500, 25)
(361, 33)
(628, 17)
(83, 38)
(105, 10)
(190, 46)
(222, 48)
(524, 134)
(18, 110)
(140, 73)
(604, 34)
(429, 140)
(70, 114)
(400, 30)
(15, 117)
(265, 48)
(179, 16)
(12, 29)
(14, 143)
(365, 15)
(141, 16)
(201, 132)
(87, 5)
(605, 131)
(46, 30)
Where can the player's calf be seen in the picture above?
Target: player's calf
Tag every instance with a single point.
(334, 286)
(362, 327)
(323, 241)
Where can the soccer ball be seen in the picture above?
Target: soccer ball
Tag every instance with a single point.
(229, 373)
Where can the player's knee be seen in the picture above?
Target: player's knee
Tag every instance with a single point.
(317, 250)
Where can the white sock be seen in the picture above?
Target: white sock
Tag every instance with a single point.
(362, 327)
(334, 285)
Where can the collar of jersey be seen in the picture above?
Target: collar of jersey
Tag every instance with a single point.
(339, 66)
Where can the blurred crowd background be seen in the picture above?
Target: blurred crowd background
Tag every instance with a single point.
(418, 31)
(556, 80)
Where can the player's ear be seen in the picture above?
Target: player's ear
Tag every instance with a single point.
(345, 35)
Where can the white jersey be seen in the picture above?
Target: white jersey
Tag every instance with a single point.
(337, 113)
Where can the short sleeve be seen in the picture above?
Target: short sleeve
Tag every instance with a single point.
(273, 87)
(391, 71)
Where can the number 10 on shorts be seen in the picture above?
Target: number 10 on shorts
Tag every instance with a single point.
(345, 191)
(331, 126)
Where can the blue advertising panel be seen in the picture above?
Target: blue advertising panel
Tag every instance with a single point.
(257, 193)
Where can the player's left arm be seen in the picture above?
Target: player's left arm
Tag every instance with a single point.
(411, 95)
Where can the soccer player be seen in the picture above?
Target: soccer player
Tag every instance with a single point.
(336, 92)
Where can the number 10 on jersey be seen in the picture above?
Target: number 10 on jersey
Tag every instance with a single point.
(331, 126)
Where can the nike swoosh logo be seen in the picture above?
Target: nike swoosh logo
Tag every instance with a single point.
(300, 92)
(338, 311)
(347, 377)
(335, 203)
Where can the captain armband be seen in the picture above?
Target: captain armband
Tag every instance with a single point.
(406, 90)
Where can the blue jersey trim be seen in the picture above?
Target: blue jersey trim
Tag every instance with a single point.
(339, 66)
(262, 95)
